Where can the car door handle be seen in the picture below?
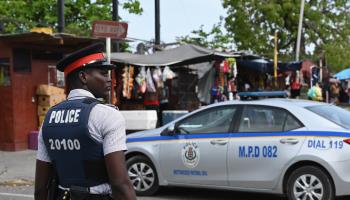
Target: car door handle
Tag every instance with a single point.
(289, 141)
(218, 142)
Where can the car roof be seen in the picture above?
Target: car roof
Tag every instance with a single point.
(276, 102)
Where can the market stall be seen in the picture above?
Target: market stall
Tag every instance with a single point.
(163, 81)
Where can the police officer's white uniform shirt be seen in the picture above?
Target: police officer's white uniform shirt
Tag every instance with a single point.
(106, 124)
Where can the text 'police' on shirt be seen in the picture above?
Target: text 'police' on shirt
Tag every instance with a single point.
(64, 116)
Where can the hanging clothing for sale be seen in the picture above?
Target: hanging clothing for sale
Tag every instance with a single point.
(233, 67)
(128, 81)
(141, 80)
(224, 66)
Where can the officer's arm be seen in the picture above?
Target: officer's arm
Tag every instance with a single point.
(118, 176)
(43, 173)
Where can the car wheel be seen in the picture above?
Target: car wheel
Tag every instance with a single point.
(143, 175)
(309, 183)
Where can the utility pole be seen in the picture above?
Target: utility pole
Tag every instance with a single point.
(60, 14)
(157, 24)
(275, 60)
(299, 29)
(115, 17)
(115, 14)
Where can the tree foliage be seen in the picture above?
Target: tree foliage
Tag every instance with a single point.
(22, 15)
(215, 39)
(250, 25)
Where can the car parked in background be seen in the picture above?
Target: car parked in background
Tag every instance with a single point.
(294, 147)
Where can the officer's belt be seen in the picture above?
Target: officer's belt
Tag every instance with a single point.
(64, 194)
(88, 189)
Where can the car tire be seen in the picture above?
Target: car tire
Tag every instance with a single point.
(143, 175)
(310, 181)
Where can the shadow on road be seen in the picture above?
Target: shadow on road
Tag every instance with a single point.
(211, 194)
(180, 193)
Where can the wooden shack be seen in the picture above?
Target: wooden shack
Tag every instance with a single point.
(27, 60)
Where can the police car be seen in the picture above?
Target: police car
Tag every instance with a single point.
(297, 148)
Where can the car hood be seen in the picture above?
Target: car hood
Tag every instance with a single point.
(146, 133)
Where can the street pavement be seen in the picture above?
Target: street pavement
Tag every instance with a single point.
(17, 170)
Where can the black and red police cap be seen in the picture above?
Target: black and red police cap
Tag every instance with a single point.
(90, 56)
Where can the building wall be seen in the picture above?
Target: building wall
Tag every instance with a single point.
(25, 101)
(6, 116)
(20, 103)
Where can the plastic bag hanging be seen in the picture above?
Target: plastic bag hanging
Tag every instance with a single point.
(157, 77)
(150, 84)
(168, 74)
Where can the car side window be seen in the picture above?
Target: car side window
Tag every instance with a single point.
(262, 119)
(292, 123)
(214, 120)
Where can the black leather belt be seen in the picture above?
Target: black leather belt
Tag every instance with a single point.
(76, 195)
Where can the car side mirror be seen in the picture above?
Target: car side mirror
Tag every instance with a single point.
(169, 131)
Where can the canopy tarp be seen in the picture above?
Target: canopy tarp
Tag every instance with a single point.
(343, 75)
(182, 55)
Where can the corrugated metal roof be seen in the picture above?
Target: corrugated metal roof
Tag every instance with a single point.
(47, 39)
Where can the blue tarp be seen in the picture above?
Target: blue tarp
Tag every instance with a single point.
(266, 66)
(343, 75)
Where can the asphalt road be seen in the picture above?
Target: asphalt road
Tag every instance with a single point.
(173, 193)
(170, 193)
(17, 183)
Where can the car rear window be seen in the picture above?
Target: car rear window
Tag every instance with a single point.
(333, 113)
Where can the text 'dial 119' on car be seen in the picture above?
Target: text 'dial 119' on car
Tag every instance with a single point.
(297, 148)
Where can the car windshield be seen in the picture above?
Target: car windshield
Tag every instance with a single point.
(333, 113)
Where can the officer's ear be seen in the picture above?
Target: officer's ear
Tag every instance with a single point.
(83, 77)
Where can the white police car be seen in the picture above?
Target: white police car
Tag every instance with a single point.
(293, 147)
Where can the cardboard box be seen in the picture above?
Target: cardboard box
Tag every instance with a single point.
(41, 120)
(44, 100)
(49, 90)
(42, 110)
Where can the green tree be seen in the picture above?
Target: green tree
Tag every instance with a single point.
(214, 39)
(250, 26)
(22, 15)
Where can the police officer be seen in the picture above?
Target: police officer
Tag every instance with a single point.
(82, 140)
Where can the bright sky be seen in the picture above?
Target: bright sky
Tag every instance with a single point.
(177, 18)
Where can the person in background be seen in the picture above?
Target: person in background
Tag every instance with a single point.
(295, 88)
(348, 92)
(83, 141)
(334, 92)
(343, 96)
(151, 102)
(315, 93)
